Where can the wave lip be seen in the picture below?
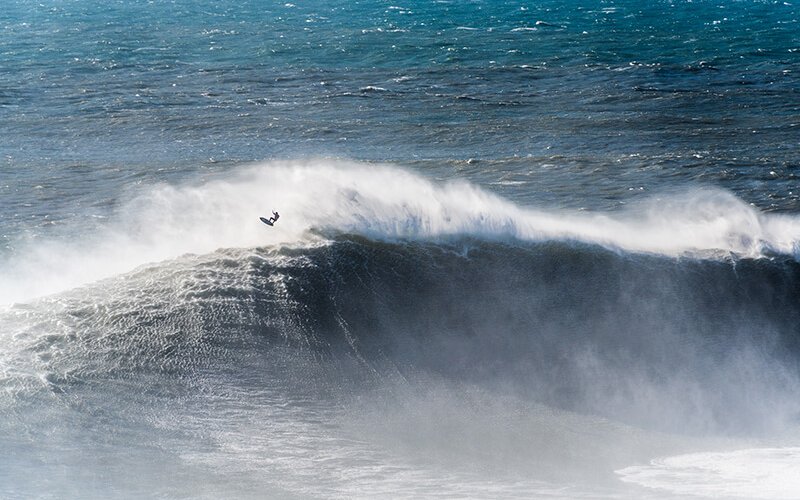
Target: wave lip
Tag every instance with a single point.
(388, 203)
(380, 202)
(750, 473)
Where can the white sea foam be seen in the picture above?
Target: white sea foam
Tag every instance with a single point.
(380, 202)
(751, 473)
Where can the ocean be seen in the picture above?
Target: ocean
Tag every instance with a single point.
(526, 249)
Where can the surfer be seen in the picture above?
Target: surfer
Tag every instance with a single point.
(271, 220)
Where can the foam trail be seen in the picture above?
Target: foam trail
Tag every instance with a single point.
(751, 473)
(380, 202)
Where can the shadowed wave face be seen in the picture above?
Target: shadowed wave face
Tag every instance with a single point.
(683, 346)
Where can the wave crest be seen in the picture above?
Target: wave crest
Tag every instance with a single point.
(380, 202)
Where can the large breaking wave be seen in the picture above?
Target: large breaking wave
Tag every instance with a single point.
(581, 310)
(679, 316)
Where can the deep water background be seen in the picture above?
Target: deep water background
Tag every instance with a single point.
(609, 99)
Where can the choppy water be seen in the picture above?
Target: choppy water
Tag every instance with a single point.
(526, 250)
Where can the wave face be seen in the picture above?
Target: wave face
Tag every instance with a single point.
(574, 326)
(398, 330)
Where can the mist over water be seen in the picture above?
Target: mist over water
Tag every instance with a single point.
(525, 251)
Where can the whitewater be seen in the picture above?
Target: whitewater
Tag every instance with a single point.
(379, 202)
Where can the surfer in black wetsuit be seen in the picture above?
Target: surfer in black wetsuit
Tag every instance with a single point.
(271, 220)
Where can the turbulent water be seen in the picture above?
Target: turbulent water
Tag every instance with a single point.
(526, 249)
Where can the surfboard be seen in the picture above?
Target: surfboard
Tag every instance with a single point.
(265, 221)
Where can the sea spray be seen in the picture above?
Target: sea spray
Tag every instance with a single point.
(380, 202)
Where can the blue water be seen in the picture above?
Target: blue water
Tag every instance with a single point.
(613, 93)
(617, 179)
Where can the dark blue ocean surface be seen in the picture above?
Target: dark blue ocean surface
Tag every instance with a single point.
(597, 96)
(526, 249)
